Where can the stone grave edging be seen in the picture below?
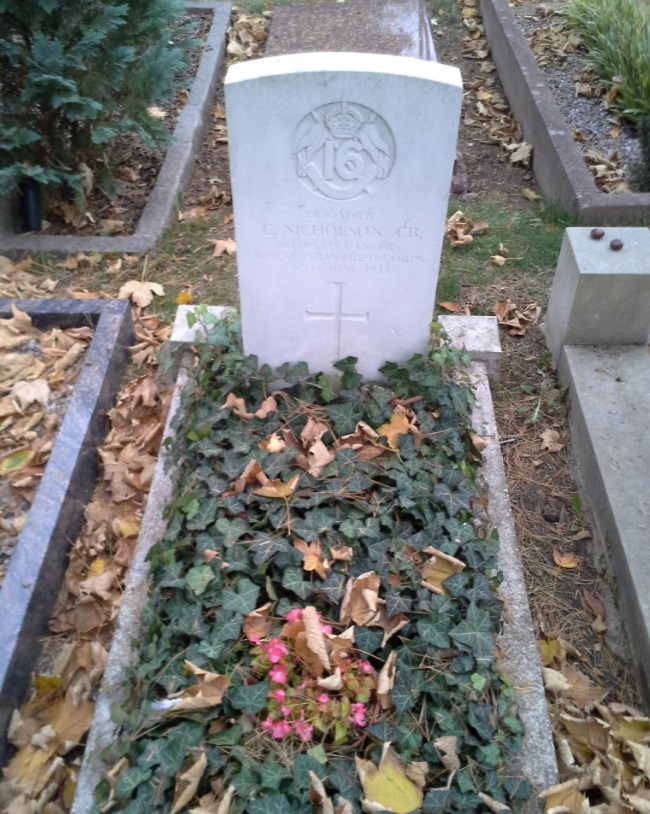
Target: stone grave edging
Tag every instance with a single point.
(517, 641)
(174, 174)
(558, 165)
(40, 558)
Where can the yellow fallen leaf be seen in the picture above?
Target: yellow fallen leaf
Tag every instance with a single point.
(183, 298)
(188, 782)
(450, 306)
(565, 797)
(312, 556)
(277, 488)
(436, 569)
(15, 461)
(386, 680)
(549, 650)
(388, 784)
(497, 259)
(26, 393)
(207, 692)
(565, 560)
(551, 441)
(140, 292)
(530, 194)
(222, 247)
(399, 425)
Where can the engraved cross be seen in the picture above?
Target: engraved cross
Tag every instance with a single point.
(337, 317)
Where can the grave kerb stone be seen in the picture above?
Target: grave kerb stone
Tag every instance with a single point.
(340, 207)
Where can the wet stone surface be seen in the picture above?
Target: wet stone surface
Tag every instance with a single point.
(397, 27)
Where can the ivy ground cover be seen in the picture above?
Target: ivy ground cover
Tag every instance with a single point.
(320, 631)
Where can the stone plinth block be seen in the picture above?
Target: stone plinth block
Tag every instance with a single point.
(341, 165)
(600, 296)
(480, 338)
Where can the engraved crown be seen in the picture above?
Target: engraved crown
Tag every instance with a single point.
(343, 121)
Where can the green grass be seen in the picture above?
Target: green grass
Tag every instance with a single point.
(532, 240)
(616, 34)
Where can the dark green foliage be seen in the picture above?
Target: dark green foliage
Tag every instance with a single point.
(75, 78)
(641, 170)
(388, 510)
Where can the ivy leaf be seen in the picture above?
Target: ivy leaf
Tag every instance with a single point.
(367, 640)
(397, 603)
(270, 804)
(333, 587)
(292, 580)
(314, 524)
(401, 697)
(304, 764)
(273, 773)
(250, 698)
(129, 780)
(231, 530)
(243, 599)
(198, 579)
(264, 547)
(345, 417)
(454, 501)
(474, 634)
(434, 631)
(227, 626)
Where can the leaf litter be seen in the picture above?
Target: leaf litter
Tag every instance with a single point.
(38, 371)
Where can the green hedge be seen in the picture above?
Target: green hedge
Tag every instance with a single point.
(75, 77)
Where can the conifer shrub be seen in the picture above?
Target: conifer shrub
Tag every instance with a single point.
(76, 76)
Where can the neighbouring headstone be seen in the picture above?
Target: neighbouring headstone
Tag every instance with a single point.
(399, 27)
(341, 166)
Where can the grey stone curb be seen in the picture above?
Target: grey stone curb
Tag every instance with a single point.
(174, 174)
(520, 660)
(517, 641)
(608, 393)
(559, 167)
(114, 687)
(40, 558)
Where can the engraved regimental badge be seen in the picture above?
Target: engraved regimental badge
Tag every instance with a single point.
(342, 150)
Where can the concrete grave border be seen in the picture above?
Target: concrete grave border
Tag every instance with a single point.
(40, 558)
(597, 325)
(559, 168)
(174, 174)
(517, 641)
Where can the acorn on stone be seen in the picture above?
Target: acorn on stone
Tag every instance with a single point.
(616, 245)
(596, 234)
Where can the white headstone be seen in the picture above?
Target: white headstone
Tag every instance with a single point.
(341, 166)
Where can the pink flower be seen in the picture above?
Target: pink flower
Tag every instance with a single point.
(294, 614)
(254, 638)
(278, 695)
(280, 729)
(366, 667)
(303, 730)
(278, 674)
(275, 650)
(358, 716)
(267, 723)
(323, 698)
(285, 711)
(327, 629)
